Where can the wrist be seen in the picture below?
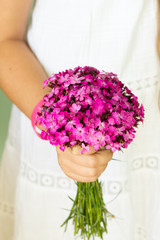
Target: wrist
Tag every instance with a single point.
(34, 120)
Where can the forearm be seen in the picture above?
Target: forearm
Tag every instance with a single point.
(21, 75)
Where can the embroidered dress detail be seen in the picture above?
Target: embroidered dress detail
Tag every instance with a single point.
(115, 36)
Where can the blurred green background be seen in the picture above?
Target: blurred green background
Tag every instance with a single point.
(5, 108)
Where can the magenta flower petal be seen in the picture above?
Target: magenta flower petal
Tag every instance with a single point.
(89, 108)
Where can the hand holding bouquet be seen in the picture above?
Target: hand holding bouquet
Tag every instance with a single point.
(86, 168)
(89, 108)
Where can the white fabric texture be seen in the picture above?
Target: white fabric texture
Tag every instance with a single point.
(115, 36)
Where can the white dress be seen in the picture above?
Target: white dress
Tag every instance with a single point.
(116, 36)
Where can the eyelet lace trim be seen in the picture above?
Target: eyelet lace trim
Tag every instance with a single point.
(6, 208)
(144, 82)
(150, 163)
(140, 233)
(45, 179)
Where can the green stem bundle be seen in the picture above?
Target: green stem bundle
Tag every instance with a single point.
(88, 211)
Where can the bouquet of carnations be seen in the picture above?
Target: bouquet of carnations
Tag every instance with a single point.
(89, 108)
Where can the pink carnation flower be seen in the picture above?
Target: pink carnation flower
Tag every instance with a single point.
(89, 108)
